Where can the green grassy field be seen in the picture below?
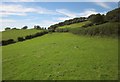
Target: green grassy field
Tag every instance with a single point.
(14, 34)
(61, 56)
(76, 25)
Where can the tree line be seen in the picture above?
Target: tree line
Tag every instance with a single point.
(26, 27)
(96, 19)
(67, 22)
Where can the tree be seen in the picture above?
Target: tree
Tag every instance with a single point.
(7, 28)
(6, 42)
(96, 19)
(25, 27)
(14, 28)
(113, 15)
(21, 39)
(37, 27)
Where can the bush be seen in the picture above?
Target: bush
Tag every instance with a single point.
(108, 29)
(61, 30)
(6, 42)
(28, 37)
(21, 39)
(7, 28)
(87, 25)
(25, 27)
(97, 19)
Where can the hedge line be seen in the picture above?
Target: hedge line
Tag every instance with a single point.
(107, 29)
(11, 41)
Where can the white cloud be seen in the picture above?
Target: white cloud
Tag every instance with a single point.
(20, 10)
(19, 0)
(103, 4)
(61, 0)
(71, 15)
(46, 23)
(6, 20)
(88, 12)
(61, 19)
(66, 12)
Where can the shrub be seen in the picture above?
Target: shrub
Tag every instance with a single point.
(25, 27)
(6, 42)
(97, 19)
(87, 25)
(61, 30)
(108, 29)
(7, 28)
(28, 37)
(21, 39)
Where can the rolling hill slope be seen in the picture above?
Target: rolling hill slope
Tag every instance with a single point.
(61, 56)
(76, 25)
(14, 34)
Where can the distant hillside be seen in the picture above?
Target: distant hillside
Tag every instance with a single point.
(14, 34)
(68, 22)
(75, 25)
(111, 16)
(106, 29)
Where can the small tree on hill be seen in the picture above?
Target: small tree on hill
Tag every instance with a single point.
(7, 28)
(25, 27)
(96, 19)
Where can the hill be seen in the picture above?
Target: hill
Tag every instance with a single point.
(75, 25)
(61, 56)
(14, 34)
(110, 29)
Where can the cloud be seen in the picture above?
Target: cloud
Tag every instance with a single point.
(60, 0)
(88, 12)
(20, 10)
(6, 20)
(103, 4)
(19, 0)
(46, 23)
(66, 12)
(69, 15)
(63, 18)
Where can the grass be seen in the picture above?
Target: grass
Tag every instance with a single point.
(76, 25)
(14, 34)
(61, 56)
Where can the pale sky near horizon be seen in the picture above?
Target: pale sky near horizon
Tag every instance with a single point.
(19, 14)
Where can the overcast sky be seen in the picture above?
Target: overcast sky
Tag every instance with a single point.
(19, 14)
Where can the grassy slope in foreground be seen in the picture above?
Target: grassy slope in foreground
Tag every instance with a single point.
(14, 34)
(61, 56)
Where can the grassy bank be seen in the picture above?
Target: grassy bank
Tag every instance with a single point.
(61, 56)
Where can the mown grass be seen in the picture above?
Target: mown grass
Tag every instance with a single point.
(76, 25)
(14, 34)
(61, 56)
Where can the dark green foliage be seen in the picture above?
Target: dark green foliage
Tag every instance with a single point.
(113, 15)
(15, 29)
(7, 28)
(87, 25)
(67, 22)
(10, 41)
(107, 29)
(61, 30)
(25, 27)
(96, 19)
(6, 42)
(28, 37)
(37, 27)
(21, 39)
(35, 35)
(51, 30)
